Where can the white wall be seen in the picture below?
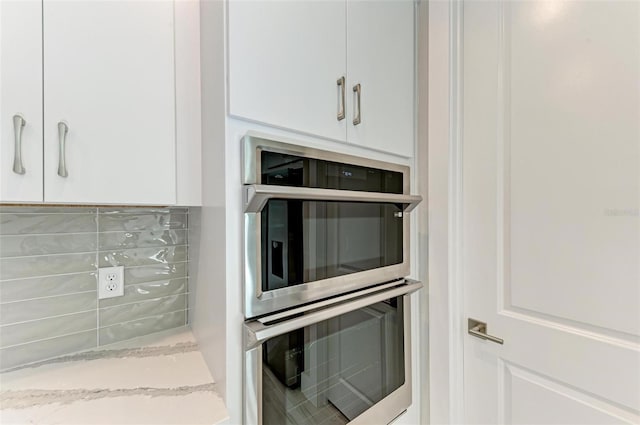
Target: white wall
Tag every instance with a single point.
(207, 228)
(421, 261)
(442, 367)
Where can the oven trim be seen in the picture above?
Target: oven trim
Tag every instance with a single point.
(255, 332)
(253, 145)
(257, 302)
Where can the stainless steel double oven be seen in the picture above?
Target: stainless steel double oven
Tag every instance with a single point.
(326, 302)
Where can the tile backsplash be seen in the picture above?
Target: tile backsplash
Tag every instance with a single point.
(49, 258)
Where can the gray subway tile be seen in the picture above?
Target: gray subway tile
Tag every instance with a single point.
(147, 291)
(24, 289)
(44, 209)
(144, 326)
(41, 350)
(137, 222)
(143, 210)
(141, 239)
(133, 275)
(127, 312)
(16, 268)
(41, 308)
(48, 276)
(24, 245)
(22, 333)
(33, 223)
(143, 256)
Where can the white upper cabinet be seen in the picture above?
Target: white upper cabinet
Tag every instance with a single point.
(21, 101)
(380, 58)
(109, 102)
(285, 58)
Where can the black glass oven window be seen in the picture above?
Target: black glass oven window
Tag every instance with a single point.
(332, 371)
(306, 241)
(290, 170)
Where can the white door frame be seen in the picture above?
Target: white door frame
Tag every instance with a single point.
(444, 136)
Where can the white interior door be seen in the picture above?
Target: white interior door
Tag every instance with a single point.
(109, 75)
(550, 216)
(21, 100)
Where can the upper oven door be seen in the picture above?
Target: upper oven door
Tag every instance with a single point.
(316, 228)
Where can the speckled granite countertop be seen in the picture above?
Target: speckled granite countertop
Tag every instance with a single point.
(157, 379)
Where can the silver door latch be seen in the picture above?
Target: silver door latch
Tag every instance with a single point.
(479, 330)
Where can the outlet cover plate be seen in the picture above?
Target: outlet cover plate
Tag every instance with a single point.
(110, 282)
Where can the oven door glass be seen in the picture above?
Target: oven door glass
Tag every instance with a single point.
(306, 241)
(333, 371)
(291, 170)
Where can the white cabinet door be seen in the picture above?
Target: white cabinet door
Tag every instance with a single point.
(21, 95)
(380, 57)
(550, 216)
(285, 58)
(109, 76)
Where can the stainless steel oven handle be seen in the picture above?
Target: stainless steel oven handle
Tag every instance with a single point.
(256, 332)
(328, 302)
(257, 196)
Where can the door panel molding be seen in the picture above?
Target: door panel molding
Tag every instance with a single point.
(503, 179)
(558, 323)
(603, 368)
(591, 321)
(518, 376)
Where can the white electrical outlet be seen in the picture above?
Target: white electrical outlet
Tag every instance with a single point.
(110, 282)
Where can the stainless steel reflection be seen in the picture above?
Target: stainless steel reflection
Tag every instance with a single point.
(334, 300)
(257, 196)
(258, 331)
(258, 303)
(253, 385)
(253, 144)
(255, 332)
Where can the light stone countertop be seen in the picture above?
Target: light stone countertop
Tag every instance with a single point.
(156, 379)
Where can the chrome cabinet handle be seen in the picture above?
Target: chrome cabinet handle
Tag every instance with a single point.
(341, 86)
(18, 125)
(357, 111)
(479, 330)
(63, 129)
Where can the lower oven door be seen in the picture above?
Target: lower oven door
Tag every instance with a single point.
(346, 363)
